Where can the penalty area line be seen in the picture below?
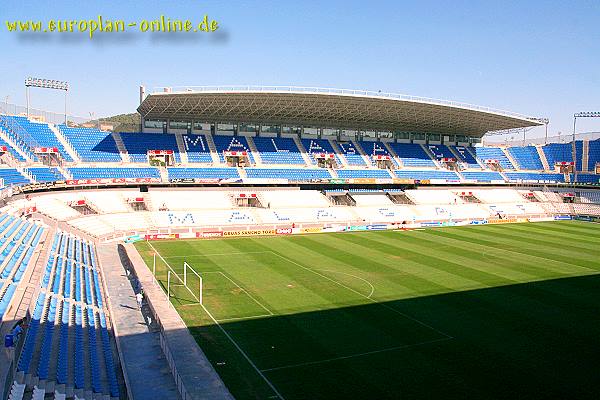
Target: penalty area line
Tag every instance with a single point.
(243, 353)
(366, 353)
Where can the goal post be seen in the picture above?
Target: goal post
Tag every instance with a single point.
(183, 283)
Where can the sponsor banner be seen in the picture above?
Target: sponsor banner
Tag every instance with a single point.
(479, 222)
(377, 227)
(160, 236)
(540, 219)
(384, 181)
(501, 221)
(133, 238)
(562, 217)
(209, 235)
(333, 229)
(187, 235)
(309, 230)
(283, 231)
(430, 224)
(337, 181)
(257, 232)
(261, 181)
(210, 181)
(397, 181)
(363, 180)
(587, 218)
(356, 228)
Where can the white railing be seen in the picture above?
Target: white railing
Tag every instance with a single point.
(333, 91)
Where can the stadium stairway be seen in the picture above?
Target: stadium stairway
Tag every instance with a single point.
(338, 153)
(66, 144)
(543, 158)
(213, 150)
(585, 155)
(431, 155)
(303, 152)
(121, 147)
(8, 139)
(358, 147)
(472, 152)
(510, 158)
(181, 148)
(254, 150)
(393, 154)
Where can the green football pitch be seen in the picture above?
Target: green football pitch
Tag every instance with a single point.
(479, 312)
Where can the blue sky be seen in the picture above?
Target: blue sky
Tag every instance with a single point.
(539, 58)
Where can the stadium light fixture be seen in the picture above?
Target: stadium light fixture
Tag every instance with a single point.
(46, 84)
(583, 114)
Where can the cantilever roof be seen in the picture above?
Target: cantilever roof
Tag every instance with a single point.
(334, 108)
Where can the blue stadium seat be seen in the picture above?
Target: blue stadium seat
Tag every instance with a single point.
(482, 176)
(278, 150)
(288, 173)
(113, 173)
(202, 173)
(43, 135)
(352, 154)
(197, 149)
(46, 174)
(231, 143)
(527, 157)
(92, 145)
(364, 173)
(138, 144)
(423, 175)
(494, 153)
(412, 155)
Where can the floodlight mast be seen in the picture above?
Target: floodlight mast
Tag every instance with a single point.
(46, 84)
(584, 114)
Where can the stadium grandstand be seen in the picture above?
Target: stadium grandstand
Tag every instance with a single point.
(91, 294)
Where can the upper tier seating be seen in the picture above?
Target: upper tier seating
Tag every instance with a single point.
(423, 175)
(318, 146)
(12, 151)
(231, 143)
(588, 178)
(482, 176)
(593, 154)
(105, 172)
(289, 173)
(412, 155)
(197, 149)
(534, 177)
(138, 144)
(375, 149)
(202, 173)
(352, 154)
(92, 145)
(494, 153)
(278, 150)
(466, 156)
(43, 135)
(45, 174)
(12, 177)
(364, 173)
(561, 152)
(440, 151)
(527, 157)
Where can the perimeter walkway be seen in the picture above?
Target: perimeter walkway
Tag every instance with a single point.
(145, 368)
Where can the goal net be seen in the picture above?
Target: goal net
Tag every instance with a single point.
(181, 282)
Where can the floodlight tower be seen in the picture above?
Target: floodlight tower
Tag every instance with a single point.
(46, 84)
(585, 114)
